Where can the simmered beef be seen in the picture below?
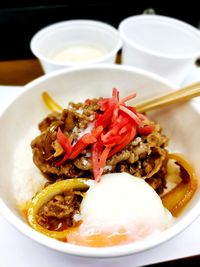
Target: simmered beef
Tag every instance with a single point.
(60, 212)
(144, 157)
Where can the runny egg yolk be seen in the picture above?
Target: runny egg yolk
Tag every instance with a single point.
(98, 239)
(120, 209)
(107, 237)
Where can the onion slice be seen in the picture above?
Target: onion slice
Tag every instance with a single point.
(50, 103)
(178, 197)
(76, 184)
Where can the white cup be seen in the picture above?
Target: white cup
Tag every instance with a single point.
(163, 45)
(75, 33)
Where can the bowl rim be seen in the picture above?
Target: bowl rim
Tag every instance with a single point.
(79, 22)
(109, 66)
(174, 23)
(107, 252)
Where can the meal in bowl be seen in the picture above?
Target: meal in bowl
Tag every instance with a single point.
(110, 178)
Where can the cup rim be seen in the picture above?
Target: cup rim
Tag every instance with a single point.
(164, 20)
(68, 23)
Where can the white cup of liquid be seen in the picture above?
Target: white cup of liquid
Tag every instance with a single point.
(160, 44)
(75, 42)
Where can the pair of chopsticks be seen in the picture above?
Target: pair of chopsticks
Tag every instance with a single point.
(167, 99)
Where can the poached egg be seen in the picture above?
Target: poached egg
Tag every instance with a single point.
(120, 209)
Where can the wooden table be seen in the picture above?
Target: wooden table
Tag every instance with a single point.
(19, 72)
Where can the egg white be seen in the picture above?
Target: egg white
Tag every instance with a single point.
(120, 209)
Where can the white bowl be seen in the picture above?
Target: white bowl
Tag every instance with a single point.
(22, 116)
(81, 35)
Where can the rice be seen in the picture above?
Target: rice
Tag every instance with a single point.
(26, 177)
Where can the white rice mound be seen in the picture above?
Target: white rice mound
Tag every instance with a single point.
(27, 178)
